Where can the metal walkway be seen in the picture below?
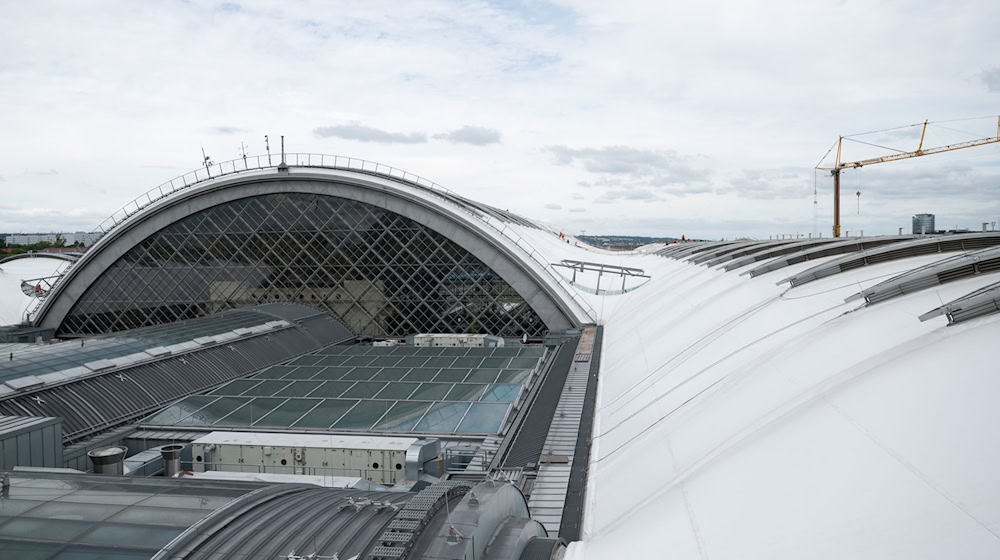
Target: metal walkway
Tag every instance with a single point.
(548, 494)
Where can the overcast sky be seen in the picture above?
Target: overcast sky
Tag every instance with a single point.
(653, 118)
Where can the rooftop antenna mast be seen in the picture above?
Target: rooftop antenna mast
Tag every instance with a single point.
(206, 161)
(243, 152)
(282, 166)
(267, 146)
(839, 165)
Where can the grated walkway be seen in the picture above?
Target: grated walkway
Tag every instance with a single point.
(548, 494)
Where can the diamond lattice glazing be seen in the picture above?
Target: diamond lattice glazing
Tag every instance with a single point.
(383, 274)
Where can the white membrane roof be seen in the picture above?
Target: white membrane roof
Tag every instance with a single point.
(737, 418)
(13, 302)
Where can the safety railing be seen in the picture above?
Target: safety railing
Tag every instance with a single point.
(271, 161)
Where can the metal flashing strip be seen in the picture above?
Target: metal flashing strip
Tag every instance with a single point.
(716, 252)
(770, 252)
(826, 250)
(744, 251)
(983, 301)
(939, 272)
(926, 245)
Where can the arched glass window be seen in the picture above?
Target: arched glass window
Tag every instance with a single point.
(383, 274)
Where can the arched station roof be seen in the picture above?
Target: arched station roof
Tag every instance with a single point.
(478, 229)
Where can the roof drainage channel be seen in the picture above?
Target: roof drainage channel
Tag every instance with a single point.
(826, 250)
(769, 252)
(896, 251)
(981, 302)
(940, 272)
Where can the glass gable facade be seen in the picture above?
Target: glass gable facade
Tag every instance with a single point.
(379, 272)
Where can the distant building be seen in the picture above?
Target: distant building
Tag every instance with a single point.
(923, 224)
(85, 238)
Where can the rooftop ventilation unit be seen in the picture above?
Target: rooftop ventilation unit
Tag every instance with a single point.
(379, 459)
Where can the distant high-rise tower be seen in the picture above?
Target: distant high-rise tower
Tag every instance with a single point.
(923, 223)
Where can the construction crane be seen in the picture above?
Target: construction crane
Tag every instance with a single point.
(838, 165)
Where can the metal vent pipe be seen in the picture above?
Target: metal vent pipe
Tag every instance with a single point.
(171, 459)
(108, 460)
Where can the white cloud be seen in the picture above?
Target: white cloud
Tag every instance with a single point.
(475, 135)
(362, 133)
(714, 112)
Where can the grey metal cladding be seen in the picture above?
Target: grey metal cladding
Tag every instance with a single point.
(275, 520)
(381, 273)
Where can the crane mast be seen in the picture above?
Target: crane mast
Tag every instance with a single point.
(838, 165)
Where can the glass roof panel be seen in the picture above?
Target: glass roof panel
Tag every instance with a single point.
(266, 388)
(421, 374)
(332, 360)
(442, 417)
(44, 529)
(484, 418)
(531, 351)
(391, 374)
(431, 392)
(181, 409)
(359, 360)
(249, 413)
(305, 360)
(160, 516)
(331, 389)
(483, 375)
(235, 387)
(361, 373)
(513, 375)
(298, 389)
(81, 552)
(275, 372)
(495, 362)
(286, 414)
(440, 362)
(412, 361)
(334, 372)
(305, 372)
(523, 363)
(364, 415)
(501, 393)
(465, 392)
(138, 536)
(402, 416)
(385, 361)
(325, 414)
(75, 511)
(364, 389)
(467, 362)
(452, 375)
(397, 391)
(211, 413)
